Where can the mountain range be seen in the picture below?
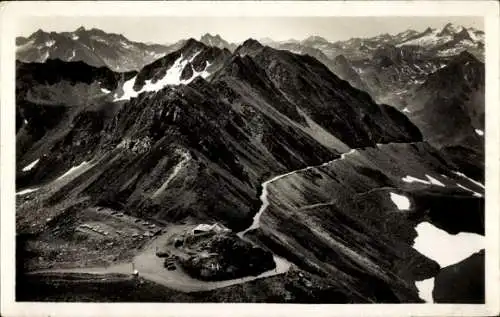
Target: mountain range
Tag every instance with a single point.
(372, 64)
(293, 147)
(94, 47)
(398, 61)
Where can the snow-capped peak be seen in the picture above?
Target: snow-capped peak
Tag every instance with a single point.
(435, 37)
(402, 36)
(211, 38)
(428, 37)
(452, 28)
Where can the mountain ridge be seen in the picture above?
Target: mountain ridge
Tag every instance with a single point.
(95, 47)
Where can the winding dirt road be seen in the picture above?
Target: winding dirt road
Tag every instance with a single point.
(151, 267)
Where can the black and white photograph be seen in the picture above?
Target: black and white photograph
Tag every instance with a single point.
(245, 158)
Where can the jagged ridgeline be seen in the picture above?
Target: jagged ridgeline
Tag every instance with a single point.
(299, 169)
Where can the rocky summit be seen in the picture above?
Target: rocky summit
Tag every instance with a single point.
(208, 171)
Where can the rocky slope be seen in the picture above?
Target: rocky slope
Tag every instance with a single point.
(450, 40)
(389, 66)
(449, 109)
(94, 47)
(345, 70)
(463, 282)
(393, 71)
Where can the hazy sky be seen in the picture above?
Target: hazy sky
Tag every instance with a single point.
(237, 29)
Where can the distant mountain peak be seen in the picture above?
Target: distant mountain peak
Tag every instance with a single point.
(450, 29)
(266, 40)
(429, 30)
(250, 45)
(216, 41)
(193, 43)
(453, 28)
(38, 34)
(96, 30)
(408, 32)
(316, 38)
(466, 56)
(251, 41)
(210, 36)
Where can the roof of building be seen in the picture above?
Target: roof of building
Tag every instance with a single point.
(207, 227)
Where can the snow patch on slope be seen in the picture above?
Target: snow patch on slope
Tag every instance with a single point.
(411, 179)
(434, 181)
(31, 165)
(470, 190)
(44, 57)
(430, 180)
(401, 201)
(50, 43)
(444, 248)
(425, 288)
(128, 90)
(469, 179)
(204, 74)
(75, 170)
(343, 155)
(26, 191)
(324, 137)
(172, 77)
